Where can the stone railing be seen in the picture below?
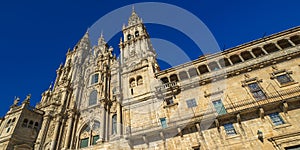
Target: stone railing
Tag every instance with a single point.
(210, 113)
(277, 96)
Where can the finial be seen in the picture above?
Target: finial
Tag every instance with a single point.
(50, 86)
(16, 101)
(133, 11)
(27, 99)
(101, 35)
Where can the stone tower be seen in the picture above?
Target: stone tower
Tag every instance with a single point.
(20, 126)
(136, 74)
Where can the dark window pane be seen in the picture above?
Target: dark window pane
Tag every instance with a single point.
(282, 79)
(276, 119)
(229, 129)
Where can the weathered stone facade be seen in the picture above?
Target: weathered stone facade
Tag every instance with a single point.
(246, 97)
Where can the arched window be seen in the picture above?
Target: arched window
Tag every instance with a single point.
(84, 137)
(258, 52)
(193, 72)
(114, 124)
(173, 78)
(203, 69)
(129, 37)
(183, 75)
(246, 55)
(270, 48)
(136, 33)
(8, 123)
(132, 82)
(165, 79)
(96, 125)
(139, 80)
(24, 124)
(213, 66)
(235, 59)
(30, 125)
(89, 137)
(224, 62)
(36, 125)
(93, 98)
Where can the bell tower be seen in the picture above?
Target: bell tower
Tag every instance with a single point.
(136, 44)
(137, 60)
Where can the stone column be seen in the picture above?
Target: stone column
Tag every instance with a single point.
(56, 131)
(230, 62)
(252, 54)
(69, 130)
(278, 46)
(103, 122)
(43, 132)
(107, 123)
(291, 42)
(262, 49)
(242, 59)
(73, 131)
(119, 125)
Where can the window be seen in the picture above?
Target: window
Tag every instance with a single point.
(84, 143)
(8, 129)
(256, 91)
(96, 125)
(131, 90)
(132, 82)
(89, 134)
(283, 79)
(24, 124)
(128, 37)
(163, 122)
(229, 129)
(137, 33)
(95, 78)
(193, 72)
(8, 123)
(36, 125)
(169, 100)
(114, 124)
(276, 119)
(191, 103)
(139, 80)
(30, 125)
(95, 138)
(93, 98)
(218, 105)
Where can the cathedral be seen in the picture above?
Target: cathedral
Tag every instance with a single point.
(245, 97)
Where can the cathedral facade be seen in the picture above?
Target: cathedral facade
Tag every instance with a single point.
(246, 97)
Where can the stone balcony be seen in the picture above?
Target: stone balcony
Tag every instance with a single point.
(234, 109)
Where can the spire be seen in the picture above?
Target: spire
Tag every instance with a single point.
(84, 42)
(101, 40)
(134, 18)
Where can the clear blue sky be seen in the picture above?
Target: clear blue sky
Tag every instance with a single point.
(35, 35)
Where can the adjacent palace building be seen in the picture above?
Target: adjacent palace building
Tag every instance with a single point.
(246, 97)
